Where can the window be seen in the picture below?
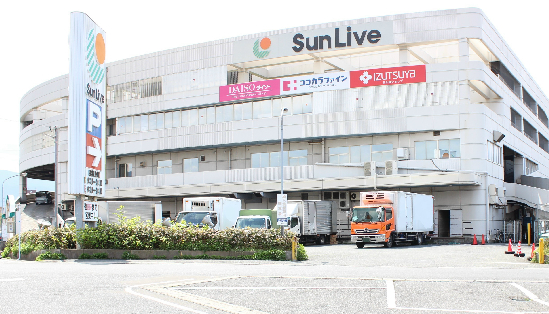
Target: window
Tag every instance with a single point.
(361, 153)
(543, 143)
(168, 120)
(159, 121)
(176, 119)
(190, 165)
(339, 155)
(144, 123)
(438, 149)
(136, 123)
(529, 166)
(516, 120)
(530, 132)
(164, 167)
(135, 90)
(124, 170)
(152, 122)
(297, 157)
(382, 152)
(495, 153)
(260, 160)
(292, 158)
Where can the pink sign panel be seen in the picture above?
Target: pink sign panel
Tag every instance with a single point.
(388, 76)
(249, 90)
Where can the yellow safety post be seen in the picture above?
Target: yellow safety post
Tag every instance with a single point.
(541, 251)
(529, 243)
(294, 249)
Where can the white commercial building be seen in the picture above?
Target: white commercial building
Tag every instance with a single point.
(431, 102)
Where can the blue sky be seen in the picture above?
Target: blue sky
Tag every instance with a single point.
(35, 35)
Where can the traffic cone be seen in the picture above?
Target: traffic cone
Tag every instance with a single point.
(519, 252)
(510, 249)
(475, 240)
(483, 242)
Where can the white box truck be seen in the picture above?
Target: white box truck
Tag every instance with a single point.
(391, 217)
(217, 212)
(312, 221)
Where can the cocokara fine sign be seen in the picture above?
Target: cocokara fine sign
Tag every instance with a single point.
(314, 40)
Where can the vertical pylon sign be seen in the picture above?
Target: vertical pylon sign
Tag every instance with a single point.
(87, 107)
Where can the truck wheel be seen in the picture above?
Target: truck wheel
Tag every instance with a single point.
(390, 242)
(321, 240)
(419, 239)
(359, 245)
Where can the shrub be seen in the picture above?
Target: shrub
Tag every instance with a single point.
(301, 253)
(85, 256)
(50, 256)
(128, 255)
(159, 257)
(101, 255)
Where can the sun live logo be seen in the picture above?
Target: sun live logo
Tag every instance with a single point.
(325, 41)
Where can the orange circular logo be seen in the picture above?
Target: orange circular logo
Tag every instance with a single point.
(100, 48)
(265, 43)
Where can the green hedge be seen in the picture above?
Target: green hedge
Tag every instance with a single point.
(131, 234)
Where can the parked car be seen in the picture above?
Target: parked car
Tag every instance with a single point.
(43, 197)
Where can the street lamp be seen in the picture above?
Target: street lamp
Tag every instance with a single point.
(24, 174)
(282, 111)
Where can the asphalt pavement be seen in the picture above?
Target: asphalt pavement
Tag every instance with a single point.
(335, 279)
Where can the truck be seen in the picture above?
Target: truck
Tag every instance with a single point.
(217, 212)
(312, 221)
(257, 218)
(392, 217)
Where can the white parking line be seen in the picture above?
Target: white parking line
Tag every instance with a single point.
(274, 288)
(130, 291)
(391, 298)
(529, 294)
(12, 279)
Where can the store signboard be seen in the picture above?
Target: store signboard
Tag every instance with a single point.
(248, 90)
(315, 40)
(388, 76)
(87, 107)
(90, 212)
(315, 83)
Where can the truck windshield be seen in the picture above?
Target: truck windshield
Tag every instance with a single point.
(252, 222)
(374, 214)
(194, 218)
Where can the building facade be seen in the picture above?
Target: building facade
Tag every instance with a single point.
(431, 102)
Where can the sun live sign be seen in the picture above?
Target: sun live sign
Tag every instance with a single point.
(87, 107)
(292, 43)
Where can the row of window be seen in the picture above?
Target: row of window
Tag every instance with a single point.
(163, 167)
(337, 155)
(439, 149)
(360, 153)
(529, 131)
(291, 158)
(235, 112)
(134, 90)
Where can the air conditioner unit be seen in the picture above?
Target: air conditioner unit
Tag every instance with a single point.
(391, 167)
(403, 153)
(344, 200)
(354, 196)
(369, 168)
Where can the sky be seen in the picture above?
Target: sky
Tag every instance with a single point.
(35, 35)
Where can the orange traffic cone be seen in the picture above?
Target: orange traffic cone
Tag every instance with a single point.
(483, 242)
(475, 240)
(519, 252)
(510, 249)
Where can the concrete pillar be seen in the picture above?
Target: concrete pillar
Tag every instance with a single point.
(23, 189)
(403, 56)
(243, 76)
(319, 67)
(463, 50)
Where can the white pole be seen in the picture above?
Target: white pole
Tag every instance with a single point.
(282, 158)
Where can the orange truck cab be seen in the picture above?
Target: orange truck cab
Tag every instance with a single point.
(391, 216)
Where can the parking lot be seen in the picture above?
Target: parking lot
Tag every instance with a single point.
(335, 279)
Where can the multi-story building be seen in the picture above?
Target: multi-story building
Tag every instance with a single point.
(431, 102)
